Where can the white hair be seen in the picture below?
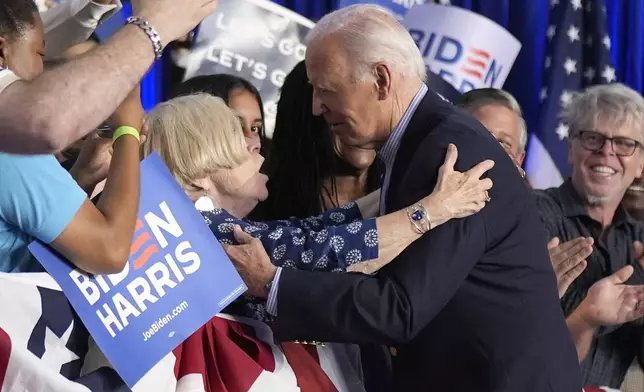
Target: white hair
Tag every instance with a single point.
(616, 104)
(476, 98)
(372, 35)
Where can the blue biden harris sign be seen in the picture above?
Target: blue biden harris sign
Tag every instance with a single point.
(177, 278)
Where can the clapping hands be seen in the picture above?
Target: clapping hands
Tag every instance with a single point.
(612, 302)
(569, 260)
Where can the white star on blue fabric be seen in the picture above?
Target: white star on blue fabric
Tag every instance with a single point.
(609, 74)
(606, 42)
(570, 66)
(562, 131)
(552, 31)
(573, 33)
(565, 98)
(57, 354)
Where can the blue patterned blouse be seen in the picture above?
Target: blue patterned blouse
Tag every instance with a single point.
(332, 241)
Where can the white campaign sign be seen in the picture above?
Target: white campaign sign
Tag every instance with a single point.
(468, 50)
(257, 40)
(397, 7)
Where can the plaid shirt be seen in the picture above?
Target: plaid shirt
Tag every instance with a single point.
(565, 216)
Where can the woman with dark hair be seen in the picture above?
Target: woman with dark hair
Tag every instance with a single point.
(310, 170)
(240, 95)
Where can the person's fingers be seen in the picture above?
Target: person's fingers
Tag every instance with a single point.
(632, 304)
(638, 250)
(480, 169)
(241, 236)
(484, 184)
(622, 275)
(553, 243)
(571, 247)
(568, 277)
(450, 160)
(573, 255)
(232, 251)
(636, 293)
(568, 264)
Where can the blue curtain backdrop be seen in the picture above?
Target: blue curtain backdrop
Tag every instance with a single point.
(527, 21)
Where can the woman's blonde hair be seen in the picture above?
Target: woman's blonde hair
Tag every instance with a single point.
(195, 135)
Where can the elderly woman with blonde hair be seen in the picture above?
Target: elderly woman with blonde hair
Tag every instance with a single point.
(201, 141)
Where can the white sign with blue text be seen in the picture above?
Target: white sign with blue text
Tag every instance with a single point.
(177, 278)
(257, 40)
(468, 50)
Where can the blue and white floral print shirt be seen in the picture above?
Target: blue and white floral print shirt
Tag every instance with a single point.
(332, 241)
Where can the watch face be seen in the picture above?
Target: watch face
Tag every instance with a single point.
(417, 215)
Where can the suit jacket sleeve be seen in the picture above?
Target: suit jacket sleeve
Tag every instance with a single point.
(393, 307)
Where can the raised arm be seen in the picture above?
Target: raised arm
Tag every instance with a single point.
(98, 238)
(456, 195)
(363, 246)
(63, 105)
(332, 248)
(72, 22)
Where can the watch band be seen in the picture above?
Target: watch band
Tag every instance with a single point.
(419, 218)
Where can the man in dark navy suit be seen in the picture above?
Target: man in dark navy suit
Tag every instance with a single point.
(471, 306)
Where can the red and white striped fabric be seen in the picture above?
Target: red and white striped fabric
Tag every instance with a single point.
(44, 347)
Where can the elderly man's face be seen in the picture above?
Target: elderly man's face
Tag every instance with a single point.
(505, 125)
(351, 108)
(603, 175)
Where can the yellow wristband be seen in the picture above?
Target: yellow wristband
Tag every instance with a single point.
(126, 131)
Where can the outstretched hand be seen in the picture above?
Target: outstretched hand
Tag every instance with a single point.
(611, 302)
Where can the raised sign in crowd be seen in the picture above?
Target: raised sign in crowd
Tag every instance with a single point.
(316, 207)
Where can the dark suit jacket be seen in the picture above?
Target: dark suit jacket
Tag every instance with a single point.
(472, 305)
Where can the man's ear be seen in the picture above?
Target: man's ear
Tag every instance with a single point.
(383, 81)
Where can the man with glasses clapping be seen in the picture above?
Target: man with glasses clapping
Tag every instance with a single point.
(605, 132)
